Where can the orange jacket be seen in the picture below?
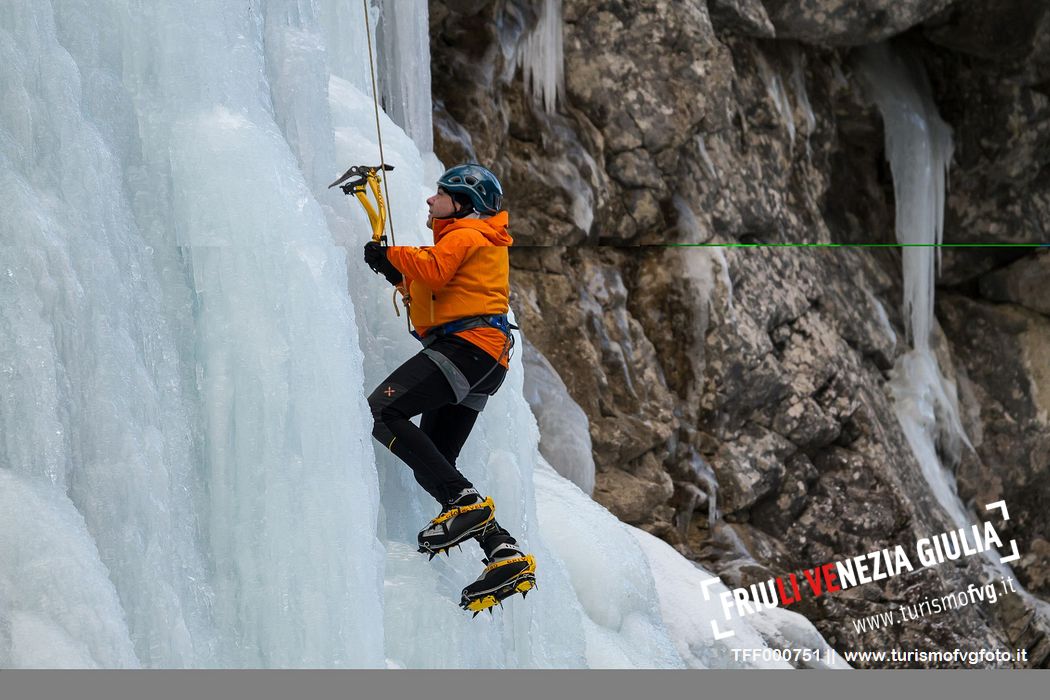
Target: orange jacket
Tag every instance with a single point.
(465, 273)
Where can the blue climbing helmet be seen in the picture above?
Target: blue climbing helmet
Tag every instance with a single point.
(476, 183)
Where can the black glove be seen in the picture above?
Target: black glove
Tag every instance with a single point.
(375, 257)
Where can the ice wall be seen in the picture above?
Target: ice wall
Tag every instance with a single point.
(346, 41)
(404, 42)
(181, 357)
(565, 433)
(187, 476)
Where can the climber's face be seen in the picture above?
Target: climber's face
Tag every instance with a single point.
(441, 205)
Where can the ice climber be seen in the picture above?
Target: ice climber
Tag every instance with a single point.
(457, 292)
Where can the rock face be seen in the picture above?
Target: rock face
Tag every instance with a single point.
(745, 17)
(1026, 282)
(748, 386)
(848, 22)
(990, 67)
(1003, 352)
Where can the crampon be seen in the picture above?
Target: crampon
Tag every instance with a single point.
(468, 516)
(501, 579)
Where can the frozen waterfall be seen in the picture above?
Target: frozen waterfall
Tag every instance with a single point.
(919, 149)
(187, 476)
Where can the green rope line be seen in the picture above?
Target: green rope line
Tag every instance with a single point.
(855, 245)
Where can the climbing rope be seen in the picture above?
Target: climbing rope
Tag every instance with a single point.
(375, 105)
(366, 177)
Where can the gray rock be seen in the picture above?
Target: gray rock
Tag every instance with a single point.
(1025, 282)
(750, 467)
(1000, 31)
(848, 22)
(632, 498)
(990, 66)
(1003, 353)
(746, 17)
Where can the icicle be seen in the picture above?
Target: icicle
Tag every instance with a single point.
(919, 149)
(541, 57)
(705, 158)
(778, 95)
(882, 317)
(704, 472)
(798, 83)
(684, 518)
(189, 478)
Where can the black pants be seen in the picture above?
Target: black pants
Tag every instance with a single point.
(419, 388)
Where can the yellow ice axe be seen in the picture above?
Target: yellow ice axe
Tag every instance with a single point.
(367, 176)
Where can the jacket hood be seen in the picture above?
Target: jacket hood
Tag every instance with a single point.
(494, 228)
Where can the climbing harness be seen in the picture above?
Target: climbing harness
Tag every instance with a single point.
(498, 321)
(462, 388)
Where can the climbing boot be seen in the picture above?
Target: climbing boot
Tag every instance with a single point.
(465, 516)
(507, 571)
